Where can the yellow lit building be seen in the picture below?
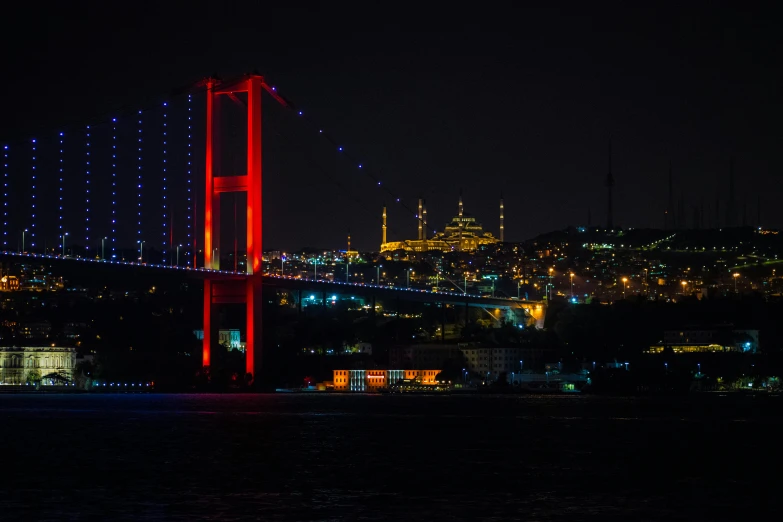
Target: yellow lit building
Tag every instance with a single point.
(373, 380)
(462, 233)
(692, 348)
(9, 283)
(19, 364)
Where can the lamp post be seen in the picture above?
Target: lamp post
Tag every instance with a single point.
(408, 278)
(315, 268)
(282, 264)
(378, 274)
(549, 290)
(684, 285)
(493, 287)
(347, 268)
(518, 283)
(103, 257)
(178, 255)
(625, 280)
(23, 231)
(64, 243)
(736, 276)
(466, 285)
(571, 275)
(646, 286)
(141, 251)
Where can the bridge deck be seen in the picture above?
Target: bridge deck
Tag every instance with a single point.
(297, 283)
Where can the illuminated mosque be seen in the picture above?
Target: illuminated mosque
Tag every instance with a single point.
(463, 233)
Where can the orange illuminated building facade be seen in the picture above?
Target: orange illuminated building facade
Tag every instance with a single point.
(374, 380)
(9, 284)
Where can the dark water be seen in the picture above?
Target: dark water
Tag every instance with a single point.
(340, 457)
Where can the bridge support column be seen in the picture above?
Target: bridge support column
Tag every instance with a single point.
(254, 318)
(207, 341)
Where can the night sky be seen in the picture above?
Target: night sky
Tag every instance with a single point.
(511, 100)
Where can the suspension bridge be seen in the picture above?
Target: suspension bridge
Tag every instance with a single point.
(100, 193)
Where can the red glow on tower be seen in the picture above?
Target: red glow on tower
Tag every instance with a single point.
(216, 292)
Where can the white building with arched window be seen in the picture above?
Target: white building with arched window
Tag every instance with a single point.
(17, 363)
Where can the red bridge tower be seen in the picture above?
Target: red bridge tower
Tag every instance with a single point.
(247, 291)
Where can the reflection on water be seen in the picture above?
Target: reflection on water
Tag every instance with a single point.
(326, 457)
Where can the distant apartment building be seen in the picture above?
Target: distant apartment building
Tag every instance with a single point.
(491, 362)
(35, 330)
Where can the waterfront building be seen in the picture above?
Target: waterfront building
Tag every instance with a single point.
(463, 233)
(373, 380)
(691, 348)
(19, 365)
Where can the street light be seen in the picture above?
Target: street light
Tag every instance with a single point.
(64, 243)
(23, 231)
(282, 264)
(408, 277)
(103, 257)
(141, 251)
(315, 268)
(625, 280)
(518, 283)
(549, 290)
(684, 285)
(735, 275)
(466, 285)
(572, 284)
(178, 255)
(378, 274)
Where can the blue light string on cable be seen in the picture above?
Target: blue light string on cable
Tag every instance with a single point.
(189, 172)
(138, 186)
(5, 197)
(366, 172)
(377, 181)
(32, 207)
(87, 192)
(113, 187)
(165, 203)
(60, 189)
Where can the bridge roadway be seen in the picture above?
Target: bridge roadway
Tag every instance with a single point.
(296, 283)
